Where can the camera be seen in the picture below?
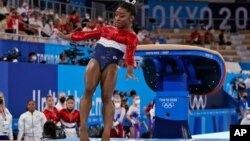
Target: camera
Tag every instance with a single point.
(73, 53)
(12, 55)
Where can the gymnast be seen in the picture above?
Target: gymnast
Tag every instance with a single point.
(113, 43)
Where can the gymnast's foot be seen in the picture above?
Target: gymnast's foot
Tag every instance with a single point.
(84, 136)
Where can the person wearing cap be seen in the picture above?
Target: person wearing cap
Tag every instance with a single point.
(246, 120)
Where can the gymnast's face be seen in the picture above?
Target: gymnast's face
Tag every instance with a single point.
(123, 18)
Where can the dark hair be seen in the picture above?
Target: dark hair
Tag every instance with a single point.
(48, 96)
(49, 130)
(70, 98)
(129, 7)
(31, 54)
(61, 55)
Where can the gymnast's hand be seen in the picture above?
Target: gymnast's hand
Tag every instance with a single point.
(61, 35)
(130, 73)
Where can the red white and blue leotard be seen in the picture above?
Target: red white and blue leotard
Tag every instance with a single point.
(111, 45)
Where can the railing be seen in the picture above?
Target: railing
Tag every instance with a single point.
(60, 7)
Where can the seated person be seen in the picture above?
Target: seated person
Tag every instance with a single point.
(32, 58)
(195, 37)
(222, 40)
(63, 59)
(208, 37)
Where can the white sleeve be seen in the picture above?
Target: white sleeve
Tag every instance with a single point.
(10, 125)
(21, 127)
(44, 119)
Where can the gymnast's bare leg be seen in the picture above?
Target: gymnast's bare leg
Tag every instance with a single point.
(91, 80)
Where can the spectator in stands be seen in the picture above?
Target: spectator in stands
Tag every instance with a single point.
(247, 81)
(70, 118)
(61, 104)
(242, 106)
(133, 116)
(222, 40)
(32, 58)
(63, 59)
(5, 121)
(74, 19)
(35, 22)
(85, 20)
(48, 28)
(117, 128)
(142, 34)
(58, 24)
(158, 38)
(30, 123)
(195, 37)
(238, 86)
(246, 120)
(208, 37)
(51, 111)
(11, 21)
(24, 9)
(3, 9)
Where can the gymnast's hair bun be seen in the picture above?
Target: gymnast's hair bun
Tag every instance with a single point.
(131, 1)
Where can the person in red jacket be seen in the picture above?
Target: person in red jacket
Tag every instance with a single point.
(113, 42)
(70, 118)
(50, 111)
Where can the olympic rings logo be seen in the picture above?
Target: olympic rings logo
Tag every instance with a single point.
(168, 105)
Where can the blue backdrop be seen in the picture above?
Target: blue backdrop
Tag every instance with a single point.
(22, 81)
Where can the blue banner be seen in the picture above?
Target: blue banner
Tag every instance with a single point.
(29, 81)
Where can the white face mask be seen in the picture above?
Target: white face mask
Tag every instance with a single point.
(248, 116)
(33, 58)
(117, 105)
(137, 101)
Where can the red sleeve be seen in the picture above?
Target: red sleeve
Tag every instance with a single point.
(130, 49)
(84, 35)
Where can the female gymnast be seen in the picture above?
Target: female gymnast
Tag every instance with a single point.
(113, 42)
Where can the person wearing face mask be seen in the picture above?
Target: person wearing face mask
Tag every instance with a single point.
(30, 123)
(70, 118)
(133, 116)
(246, 120)
(61, 104)
(32, 58)
(117, 128)
(5, 121)
(242, 106)
(239, 86)
(47, 30)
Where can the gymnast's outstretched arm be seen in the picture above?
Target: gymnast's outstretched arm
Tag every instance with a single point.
(81, 35)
